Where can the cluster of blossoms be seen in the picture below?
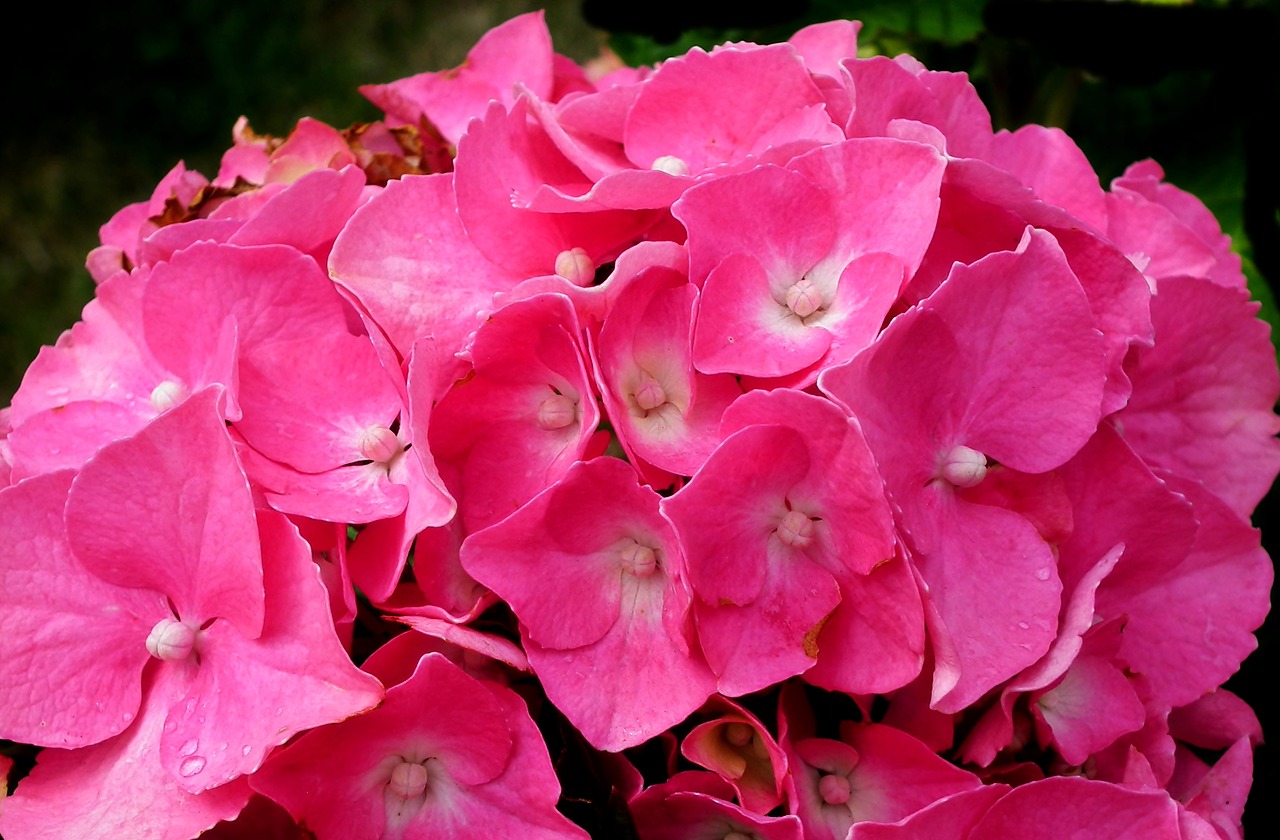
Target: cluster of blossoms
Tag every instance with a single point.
(883, 475)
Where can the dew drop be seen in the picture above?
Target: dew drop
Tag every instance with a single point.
(279, 711)
(128, 717)
(191, 766)
(1043, 574)
(245, 750)
(1022, 625)
(189, 747)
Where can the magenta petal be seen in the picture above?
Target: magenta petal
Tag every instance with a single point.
(252, 694)
(488, 774)
(406, 258)
(566, 547)
(1203, 396)
(1067, 806)
(743, 327)
(996, 589)
(63, 796)
(682, 110)
(72, 646)
(169, 510)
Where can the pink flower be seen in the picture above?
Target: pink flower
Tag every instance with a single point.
(444, 755)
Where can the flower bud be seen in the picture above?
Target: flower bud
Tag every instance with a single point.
(379, 444)
(408, 780)
(834, 789)
(556, 412)
(171, 640)
(168, 394)
(796, 529)
(963, 467)
(671, 165)
(650, 394)
(803, 298)
(575, 266)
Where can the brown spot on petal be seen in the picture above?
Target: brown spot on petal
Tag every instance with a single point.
(811, 638)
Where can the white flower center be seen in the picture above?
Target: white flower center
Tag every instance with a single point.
(171, 640)
(639, 560)
(556, 412)
(963, 467)
(650, 394)
(796, 529)
(803, 298)
(575, 266)
(379, 444)
(168, 394)
(835, 790)
(408, 780)
(671, 165)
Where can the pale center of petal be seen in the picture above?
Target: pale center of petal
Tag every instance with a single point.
(671, 165)
(379, 444)
(408, 780)
(796, 529)
(803, 298)
(168, 394)
(639, 560)
(835, 790)
(556, 412)
(575, 266)
(171, 640)
(650, 394)
(963, 467)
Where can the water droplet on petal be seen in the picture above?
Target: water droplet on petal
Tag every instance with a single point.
(1043, 574)
(191, 766)
(189, 747)
(1022, 625)
(245, 750)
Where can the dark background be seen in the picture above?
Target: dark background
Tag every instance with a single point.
(100, 104)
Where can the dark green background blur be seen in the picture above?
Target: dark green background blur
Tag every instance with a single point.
(98, 105)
